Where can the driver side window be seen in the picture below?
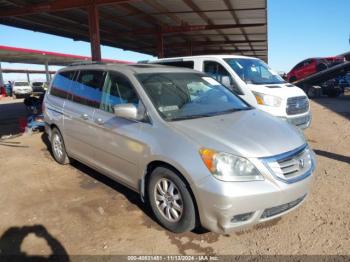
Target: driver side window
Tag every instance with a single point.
(117, 90)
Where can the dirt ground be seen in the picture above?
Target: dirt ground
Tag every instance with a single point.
(79, 211)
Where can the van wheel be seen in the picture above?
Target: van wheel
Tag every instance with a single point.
(58, 148)
(171, 201)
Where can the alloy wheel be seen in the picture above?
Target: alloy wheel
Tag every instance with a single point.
(168, 200)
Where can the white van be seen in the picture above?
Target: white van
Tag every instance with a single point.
(254, 81)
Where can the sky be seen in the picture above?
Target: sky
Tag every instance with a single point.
(297, 29)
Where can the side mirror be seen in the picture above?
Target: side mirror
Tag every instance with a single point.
(131, 112)
(128, 111)
(225, 80)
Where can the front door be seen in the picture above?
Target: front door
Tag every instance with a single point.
(119, 148)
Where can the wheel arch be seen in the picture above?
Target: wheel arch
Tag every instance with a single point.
(159, 163)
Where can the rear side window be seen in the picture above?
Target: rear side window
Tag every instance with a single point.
(62, 83)
(118, 90)
(185, 64)
(87, 89)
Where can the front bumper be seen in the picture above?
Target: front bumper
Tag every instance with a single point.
(220, 203)
(301, 121)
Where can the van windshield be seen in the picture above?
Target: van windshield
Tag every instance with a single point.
(180, 96)
(254, 71)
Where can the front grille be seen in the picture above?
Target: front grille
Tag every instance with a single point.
(292, 166)
(273, 211)
(297, 105)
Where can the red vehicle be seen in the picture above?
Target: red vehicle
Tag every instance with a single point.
(311, 66)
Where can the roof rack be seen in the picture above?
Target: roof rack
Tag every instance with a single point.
(146, 65)
(87, 63)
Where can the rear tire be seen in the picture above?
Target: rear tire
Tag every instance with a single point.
(58, 148)
(171, 201)
(334, 93)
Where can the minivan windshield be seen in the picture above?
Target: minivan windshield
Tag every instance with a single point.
(254, 71)
(180, 96)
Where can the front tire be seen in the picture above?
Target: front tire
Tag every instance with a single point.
(171, 201)
(58, 148)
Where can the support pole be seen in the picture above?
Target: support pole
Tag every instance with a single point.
(94, 30)
(190, 48)
(160, 45)
(28, 78)
(48, 78)
(1, 77)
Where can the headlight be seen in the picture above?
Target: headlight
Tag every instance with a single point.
(227, 167)
(267, 100)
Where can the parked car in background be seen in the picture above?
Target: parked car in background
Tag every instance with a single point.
(196, 152)
(254, 81)
(21, 89)
(347, 79)
(343, 81)
(311, 66)
(38, 87)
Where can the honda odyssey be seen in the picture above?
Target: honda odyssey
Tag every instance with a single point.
(192, 149)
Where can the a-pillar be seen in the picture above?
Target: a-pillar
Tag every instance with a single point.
(94, 30)
(28, 77)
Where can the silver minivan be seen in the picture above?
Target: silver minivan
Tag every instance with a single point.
(197, 153)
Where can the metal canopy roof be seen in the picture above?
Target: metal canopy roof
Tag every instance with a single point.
(30, 56)
(185, 26)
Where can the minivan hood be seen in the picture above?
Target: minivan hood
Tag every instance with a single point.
(251, 133)
(280, 90)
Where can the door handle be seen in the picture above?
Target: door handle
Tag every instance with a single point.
(99, 121)
(85, 116)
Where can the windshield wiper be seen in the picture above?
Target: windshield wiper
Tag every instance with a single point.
(190, 117)
(210, 114)
(232, 111)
